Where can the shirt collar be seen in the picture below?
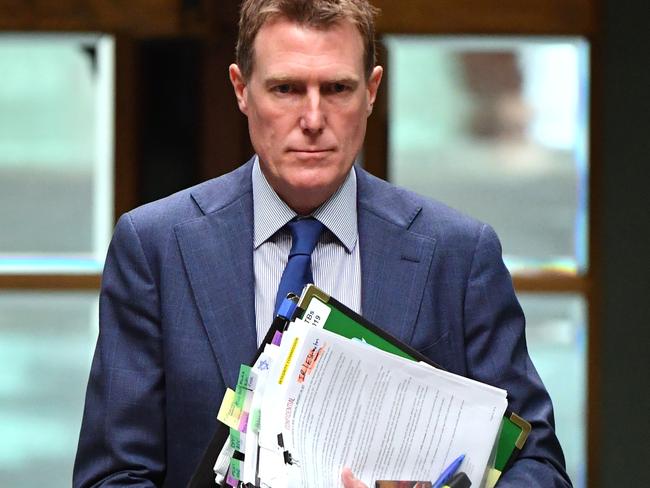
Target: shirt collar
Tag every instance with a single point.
(271, 213)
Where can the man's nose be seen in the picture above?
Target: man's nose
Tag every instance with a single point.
(312, 119)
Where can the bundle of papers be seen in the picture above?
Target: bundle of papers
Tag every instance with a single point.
(315, 402)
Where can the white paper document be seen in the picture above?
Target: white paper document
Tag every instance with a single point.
(327, 402)
(346, 403)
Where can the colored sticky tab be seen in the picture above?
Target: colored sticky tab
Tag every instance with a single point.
(228, 412)
(277, 338)
(230, 481)
(243, 385)
(244, 374)
(285, 368)
(255, 420)
(235, 469)
(243, 422)
(235, 440)
(492, 478)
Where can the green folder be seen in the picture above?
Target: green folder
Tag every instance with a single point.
(347, 323)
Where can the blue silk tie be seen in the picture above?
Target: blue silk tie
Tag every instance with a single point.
(304, 236)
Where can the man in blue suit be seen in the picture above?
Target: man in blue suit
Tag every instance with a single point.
(189, 280)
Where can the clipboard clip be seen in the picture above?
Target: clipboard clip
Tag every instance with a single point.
(288, 306)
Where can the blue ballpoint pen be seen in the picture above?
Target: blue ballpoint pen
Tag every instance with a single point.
(449, 472)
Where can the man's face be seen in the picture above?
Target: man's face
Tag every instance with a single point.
(307, 101)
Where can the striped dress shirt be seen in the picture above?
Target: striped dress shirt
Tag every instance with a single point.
(336, 265)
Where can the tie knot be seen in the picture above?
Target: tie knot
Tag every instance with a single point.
(304, 235)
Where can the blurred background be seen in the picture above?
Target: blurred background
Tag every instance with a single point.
(530, 117)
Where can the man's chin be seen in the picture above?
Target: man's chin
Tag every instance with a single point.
(306, 195)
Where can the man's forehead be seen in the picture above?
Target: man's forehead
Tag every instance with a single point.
(338, 26)
(281, 40)
(323, 27)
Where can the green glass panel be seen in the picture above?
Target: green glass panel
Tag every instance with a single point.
(56, 152)
(497, 128)
(556, 332)
(46, 343)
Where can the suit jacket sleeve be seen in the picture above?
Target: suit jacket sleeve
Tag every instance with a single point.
(123, 429)
(496, 353)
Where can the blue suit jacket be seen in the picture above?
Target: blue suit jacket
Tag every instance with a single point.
(177, 319)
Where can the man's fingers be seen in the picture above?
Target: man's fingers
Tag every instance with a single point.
(349, 481)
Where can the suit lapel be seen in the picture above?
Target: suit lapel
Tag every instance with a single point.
(217, 251)
(395, 261)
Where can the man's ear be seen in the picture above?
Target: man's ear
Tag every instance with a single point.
(239, 85)
(373, 85)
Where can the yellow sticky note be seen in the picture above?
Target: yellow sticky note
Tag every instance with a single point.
(228, 412)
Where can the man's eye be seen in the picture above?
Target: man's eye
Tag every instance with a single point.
(338, 88)
(284, 88)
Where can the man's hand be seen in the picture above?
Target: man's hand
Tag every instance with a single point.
(349, 481)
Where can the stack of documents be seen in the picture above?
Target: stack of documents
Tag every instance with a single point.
(315, 402)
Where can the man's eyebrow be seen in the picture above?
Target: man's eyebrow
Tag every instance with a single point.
(282, 79)
(345, 80)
